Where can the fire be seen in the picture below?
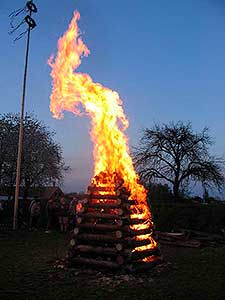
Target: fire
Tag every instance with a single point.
(108, 120)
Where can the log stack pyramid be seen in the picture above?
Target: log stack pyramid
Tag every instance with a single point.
(103, 238)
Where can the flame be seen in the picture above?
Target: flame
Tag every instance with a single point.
(108, 120)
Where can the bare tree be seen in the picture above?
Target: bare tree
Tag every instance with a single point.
(175, 154)
(42, 160)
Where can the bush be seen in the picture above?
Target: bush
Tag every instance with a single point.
(196, 216)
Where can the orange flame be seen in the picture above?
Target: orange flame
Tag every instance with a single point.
(104, 106)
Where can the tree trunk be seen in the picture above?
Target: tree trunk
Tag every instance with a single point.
(176, 189)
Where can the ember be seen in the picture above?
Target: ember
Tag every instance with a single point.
(114, 226)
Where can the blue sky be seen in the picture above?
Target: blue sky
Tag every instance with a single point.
(165, 58)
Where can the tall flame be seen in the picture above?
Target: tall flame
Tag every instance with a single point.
(103, 105)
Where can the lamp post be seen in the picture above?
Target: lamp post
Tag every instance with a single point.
(31, 24)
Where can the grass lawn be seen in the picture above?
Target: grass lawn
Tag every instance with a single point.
(26, 272)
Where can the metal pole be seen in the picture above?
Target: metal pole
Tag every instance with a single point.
(20, 143)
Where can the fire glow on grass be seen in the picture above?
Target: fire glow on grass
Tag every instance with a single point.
(108, 120)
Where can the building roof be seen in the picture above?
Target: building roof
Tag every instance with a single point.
(45, 192)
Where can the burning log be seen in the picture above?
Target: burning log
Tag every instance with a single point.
(109, 197)
(107, 205)
(139, 267)
(138, 255)
(133, 243)
(135, 221)
(145, 231)
(94, 189)
(108, 227)
(106, 196)
(96, 215)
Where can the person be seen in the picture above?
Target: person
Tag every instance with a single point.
(50, 212)
(63, 215)
(24, 220)
(72, 211)
(1, 206)
(35, 211)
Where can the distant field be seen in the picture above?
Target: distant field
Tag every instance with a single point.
(26, 272)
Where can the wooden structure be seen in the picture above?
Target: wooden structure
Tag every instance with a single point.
(104, 236)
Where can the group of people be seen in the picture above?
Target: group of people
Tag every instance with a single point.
(59, 214)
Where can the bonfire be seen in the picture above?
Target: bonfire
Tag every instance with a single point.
(114, 226)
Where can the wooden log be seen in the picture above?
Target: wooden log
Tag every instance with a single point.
(96, 249)
(137, 221)
(137, 255)
(119, 234)
(133, 243)
(100, 227)
(109, 205)
(113, 197)
(187, 243)
(172, 235)
(99, 188)
(120, 256)
(113, 216)
(79, 220)
(103, 197)
(104, 205)
(95, 262)
(106, 197)
(109, 227)
(82, 210)
(72, 242)
(84, 201)
(132, 232)
(120, 260)
(118, 210)
(119, 222)
(76, 230)
(94, 215)
(141, 266)
(114, 227)
(113, 237)
(205, 235)
(100, 237)
(119, 247)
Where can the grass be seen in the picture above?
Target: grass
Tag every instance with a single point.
(26, 273)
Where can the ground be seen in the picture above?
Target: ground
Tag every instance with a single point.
(27, 272)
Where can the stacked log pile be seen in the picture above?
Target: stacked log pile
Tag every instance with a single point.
(103, 236)
(190, 238)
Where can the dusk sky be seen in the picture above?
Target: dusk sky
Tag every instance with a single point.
(165, 58)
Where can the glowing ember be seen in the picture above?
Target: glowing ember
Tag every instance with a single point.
(104, 106)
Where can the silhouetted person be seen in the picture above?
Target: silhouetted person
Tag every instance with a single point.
(35, 212)
(50, 211)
